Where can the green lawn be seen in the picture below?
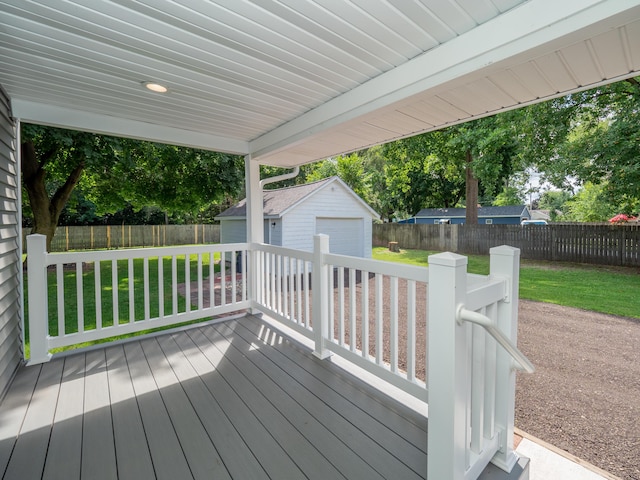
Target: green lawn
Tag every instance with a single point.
(106, 308)
(601, 289)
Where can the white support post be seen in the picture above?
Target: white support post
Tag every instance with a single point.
(320, 297)
(255, 228)
(38, 307)
(448, 368)
(505, 263)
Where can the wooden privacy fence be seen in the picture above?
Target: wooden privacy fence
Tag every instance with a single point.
(580, 243)
(127, 236)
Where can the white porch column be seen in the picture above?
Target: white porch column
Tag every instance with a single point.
(255, 228)
(505, 263)
(38, 305)
(447, 375)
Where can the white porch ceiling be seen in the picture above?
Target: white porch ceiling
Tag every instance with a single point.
(293, 81)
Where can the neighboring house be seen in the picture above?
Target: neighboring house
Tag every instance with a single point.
(293, 215)
(510, 215)
(541, 215)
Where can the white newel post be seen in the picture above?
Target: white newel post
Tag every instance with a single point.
(505, 263)
(447, 375)
(38, 308)
(320, 289)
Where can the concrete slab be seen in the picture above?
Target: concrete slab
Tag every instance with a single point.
(547, 464)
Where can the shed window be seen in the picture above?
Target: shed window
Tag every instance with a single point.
(489, 221)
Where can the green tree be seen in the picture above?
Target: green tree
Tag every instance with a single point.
(378, 196)
(590, 204)
(350, 169)
(53, 161)
(433, 169)
(115, 172)
(603, 143)
(555, 201)
(421, 173)
(508, 196)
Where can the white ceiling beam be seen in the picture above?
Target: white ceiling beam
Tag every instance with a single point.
(531, 27)
(42, 114)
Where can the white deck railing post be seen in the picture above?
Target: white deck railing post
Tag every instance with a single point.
(320, 297)
(448, 376)
(38, 305)
(505, 263)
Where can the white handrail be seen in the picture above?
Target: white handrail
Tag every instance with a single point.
(522, 362)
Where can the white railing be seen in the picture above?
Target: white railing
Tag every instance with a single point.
(283, 285)
(472, 353)
(365, 332)
(102, 294)
(439, 333)
(466, 333)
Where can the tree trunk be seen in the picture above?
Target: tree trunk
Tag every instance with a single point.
(471, 193)
(46, 211)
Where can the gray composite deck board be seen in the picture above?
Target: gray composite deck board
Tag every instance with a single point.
(215, 401)
(98, 449)
(29, 453)
(132, 451)
(219, 426)
(332, 427)
(200, 452)
(383, 408)
(166, 452)
(324, 453)
(379, 421)
(275, 461)
(65, 446)
(300, 449)
(13, 410)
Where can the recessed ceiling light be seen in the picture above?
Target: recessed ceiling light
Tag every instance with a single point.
(155, 87)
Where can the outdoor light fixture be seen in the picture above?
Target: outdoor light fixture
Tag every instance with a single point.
(155, 87)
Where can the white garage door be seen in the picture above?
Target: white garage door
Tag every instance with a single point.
(345, 235)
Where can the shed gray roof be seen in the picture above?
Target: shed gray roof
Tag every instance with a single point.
(508, 211)
(276, 202)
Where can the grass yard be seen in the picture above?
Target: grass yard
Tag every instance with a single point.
(600, 289)
(125, 309)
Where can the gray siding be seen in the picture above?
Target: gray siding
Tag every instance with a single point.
(10, 309)
(233, 231)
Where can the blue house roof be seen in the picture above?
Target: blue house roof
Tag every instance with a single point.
(483, 212)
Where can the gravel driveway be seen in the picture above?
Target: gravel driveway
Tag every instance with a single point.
(585, 394)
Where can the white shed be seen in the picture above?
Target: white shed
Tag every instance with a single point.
(293, 215)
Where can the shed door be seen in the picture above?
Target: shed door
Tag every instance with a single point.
(345, 235)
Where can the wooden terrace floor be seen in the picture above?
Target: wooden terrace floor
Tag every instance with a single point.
(228, 400)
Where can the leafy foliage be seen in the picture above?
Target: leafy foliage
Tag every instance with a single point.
(604, 144)
(115, 173)
(590, 204)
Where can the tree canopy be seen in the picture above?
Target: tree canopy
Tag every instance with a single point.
(115, 173)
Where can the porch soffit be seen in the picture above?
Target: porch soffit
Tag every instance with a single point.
(293, 81)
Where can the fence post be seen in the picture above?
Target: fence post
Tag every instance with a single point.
(320, 297)
(505, 262)
(448, 370)
(38, 307)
